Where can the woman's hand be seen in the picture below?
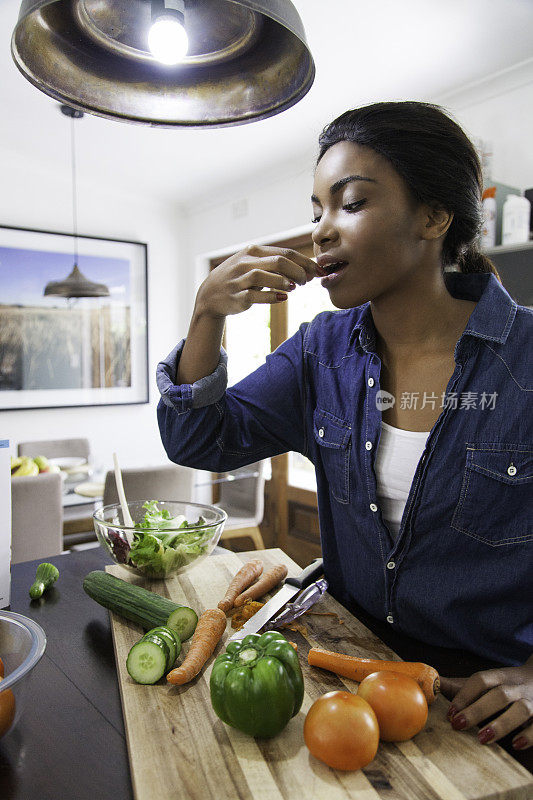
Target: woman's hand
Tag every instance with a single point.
(508, 690)
(237, 283)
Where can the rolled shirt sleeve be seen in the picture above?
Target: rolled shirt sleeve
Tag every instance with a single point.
(201, 393)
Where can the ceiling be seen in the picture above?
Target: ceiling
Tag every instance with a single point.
(363, 51)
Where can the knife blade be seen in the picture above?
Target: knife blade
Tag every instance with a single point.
(290, 588)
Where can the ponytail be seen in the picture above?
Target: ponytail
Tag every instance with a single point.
(473, 260)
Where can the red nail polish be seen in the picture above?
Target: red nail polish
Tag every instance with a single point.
(486, 735)
(519, 743)
(459, 722)
(292, 285)
(451, 712)
(280, 296)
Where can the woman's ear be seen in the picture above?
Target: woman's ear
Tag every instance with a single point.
(436, 222)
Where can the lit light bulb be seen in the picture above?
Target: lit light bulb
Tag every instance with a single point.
(168, 40)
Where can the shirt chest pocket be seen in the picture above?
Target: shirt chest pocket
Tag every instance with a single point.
(495, 501)
(333, 435)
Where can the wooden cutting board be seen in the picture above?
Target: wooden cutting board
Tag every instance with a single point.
(178, 748)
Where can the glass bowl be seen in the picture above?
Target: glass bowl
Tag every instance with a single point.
(165, 549)
(22, 644)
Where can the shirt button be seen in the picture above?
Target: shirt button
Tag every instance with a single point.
(373, 507)
(391, 565)
(390, 618)
(368, 446)
(321, 433)
(371, 382)
(511, 470)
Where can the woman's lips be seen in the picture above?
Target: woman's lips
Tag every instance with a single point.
(335, 275)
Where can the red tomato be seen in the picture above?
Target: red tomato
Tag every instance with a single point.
(398, 702)
(341, 730)
(7, 710)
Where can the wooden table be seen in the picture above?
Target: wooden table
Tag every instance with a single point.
(70, 743)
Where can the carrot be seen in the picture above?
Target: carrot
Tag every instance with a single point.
(209, 629)
(244, 577)
(358, 668)
(263, 585)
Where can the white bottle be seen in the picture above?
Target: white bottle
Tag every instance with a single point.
(515, 224)
(488, 232)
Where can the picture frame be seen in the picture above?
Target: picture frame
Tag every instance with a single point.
(57, 352)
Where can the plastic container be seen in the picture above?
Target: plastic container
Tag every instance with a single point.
(22, 644)
(488, 232)
(190, 547)
(515, 222)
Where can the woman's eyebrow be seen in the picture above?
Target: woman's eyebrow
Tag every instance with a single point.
(342, 182)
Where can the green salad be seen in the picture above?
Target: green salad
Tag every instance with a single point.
(159, 554)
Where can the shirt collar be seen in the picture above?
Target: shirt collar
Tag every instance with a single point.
(491, 319)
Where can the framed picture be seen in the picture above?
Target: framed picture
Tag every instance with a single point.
(57, 351)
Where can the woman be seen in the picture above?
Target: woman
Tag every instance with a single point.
(410, 400)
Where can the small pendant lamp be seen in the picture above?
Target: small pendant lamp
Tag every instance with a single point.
(76, 284)
(174, 63)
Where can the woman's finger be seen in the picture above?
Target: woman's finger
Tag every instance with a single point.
(306, 268)
(250, 297)
(263, 279)
(519, 713)
(476, 685)
(496, 699)
(524, 739)
(449, 687)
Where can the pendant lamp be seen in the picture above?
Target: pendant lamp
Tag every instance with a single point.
(75, 284)
(244, 61)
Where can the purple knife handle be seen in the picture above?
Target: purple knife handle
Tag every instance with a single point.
(306, 599)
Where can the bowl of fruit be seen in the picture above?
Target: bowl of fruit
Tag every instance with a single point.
(161, 537)
(27, 466)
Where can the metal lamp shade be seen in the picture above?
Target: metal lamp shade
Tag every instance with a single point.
(246, 60)
(76, 285)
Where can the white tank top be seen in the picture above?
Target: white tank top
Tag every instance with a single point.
(396, 460)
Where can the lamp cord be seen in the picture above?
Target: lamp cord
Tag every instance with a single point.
(74, 191)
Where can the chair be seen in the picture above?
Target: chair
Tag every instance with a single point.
(242, 497)
(55, 448)
(170, 482)
(36, 517)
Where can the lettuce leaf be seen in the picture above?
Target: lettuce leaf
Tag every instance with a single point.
(160, 554)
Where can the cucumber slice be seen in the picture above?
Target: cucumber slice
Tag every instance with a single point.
(165, 646)
(182, 621)
(170, 638)
(147, 661)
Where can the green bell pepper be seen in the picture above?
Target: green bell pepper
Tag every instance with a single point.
(257, 684)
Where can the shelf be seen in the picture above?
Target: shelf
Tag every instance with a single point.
(508, 248)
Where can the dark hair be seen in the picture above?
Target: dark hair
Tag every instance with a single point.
(434, 157)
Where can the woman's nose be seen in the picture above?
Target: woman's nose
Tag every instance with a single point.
(322, 233)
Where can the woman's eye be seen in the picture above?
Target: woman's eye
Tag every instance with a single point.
(348, 207)
(355, 205)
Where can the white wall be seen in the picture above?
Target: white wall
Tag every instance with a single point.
(501, 111)
(32, 196)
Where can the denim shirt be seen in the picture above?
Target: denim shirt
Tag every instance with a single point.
(459, 574)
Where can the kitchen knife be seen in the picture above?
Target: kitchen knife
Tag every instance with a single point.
(290, 588)
(305, 600)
